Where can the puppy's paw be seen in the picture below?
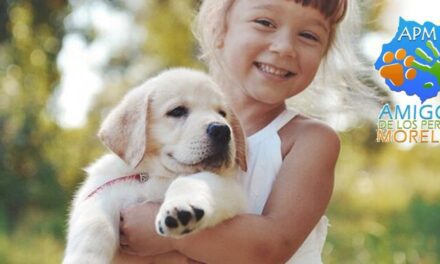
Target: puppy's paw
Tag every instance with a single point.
(178, 218)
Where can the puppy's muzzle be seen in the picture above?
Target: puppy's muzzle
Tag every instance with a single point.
(220, 134)
(220, 137)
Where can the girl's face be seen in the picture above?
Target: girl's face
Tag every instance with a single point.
(273, 48)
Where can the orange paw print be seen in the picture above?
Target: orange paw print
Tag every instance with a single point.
(396, 72)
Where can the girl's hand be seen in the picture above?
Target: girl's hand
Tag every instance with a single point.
(137, 231)
(173, 257)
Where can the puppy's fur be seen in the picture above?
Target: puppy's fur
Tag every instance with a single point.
(176, 128)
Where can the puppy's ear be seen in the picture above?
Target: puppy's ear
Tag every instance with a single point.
(240, 142)
(124, 130)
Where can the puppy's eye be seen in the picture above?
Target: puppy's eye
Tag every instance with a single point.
(178, 112)
(222, 113)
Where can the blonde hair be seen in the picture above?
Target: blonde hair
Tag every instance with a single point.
(341, 81)
(209, 27)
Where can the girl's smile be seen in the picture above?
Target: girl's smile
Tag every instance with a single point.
(273, 71)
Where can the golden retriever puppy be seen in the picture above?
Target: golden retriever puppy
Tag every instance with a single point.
(173, 139)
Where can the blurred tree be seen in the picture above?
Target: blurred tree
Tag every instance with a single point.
(3, 20)
(29, 43)
(169, 23)
(168, 42)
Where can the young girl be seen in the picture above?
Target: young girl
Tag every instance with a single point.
(262, 52)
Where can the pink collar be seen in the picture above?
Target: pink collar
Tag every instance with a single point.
(141, 178)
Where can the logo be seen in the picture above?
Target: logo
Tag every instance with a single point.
(410, 63)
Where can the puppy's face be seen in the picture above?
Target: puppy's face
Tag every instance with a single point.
(180, 117)
(190, 125)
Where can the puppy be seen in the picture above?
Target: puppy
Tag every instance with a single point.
(174, 139)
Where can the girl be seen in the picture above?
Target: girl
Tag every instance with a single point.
(263, 52)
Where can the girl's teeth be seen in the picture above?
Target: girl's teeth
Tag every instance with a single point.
(269, 69)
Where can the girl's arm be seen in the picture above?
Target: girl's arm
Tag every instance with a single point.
(159, 250)
(298, 199)
(172, 257)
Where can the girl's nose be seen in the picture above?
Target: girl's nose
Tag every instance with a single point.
(283, 45)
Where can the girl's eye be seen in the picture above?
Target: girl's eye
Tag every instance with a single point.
(264, 22)
(178, 112)
(309, 36)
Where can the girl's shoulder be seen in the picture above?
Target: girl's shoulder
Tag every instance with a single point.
(308, 131)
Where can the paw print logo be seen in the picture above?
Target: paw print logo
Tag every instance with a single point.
(411, 64)
(398, 67)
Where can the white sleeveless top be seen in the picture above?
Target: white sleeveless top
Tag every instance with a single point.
(264, 163)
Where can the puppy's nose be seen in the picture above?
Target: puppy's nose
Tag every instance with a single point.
(220, 133)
